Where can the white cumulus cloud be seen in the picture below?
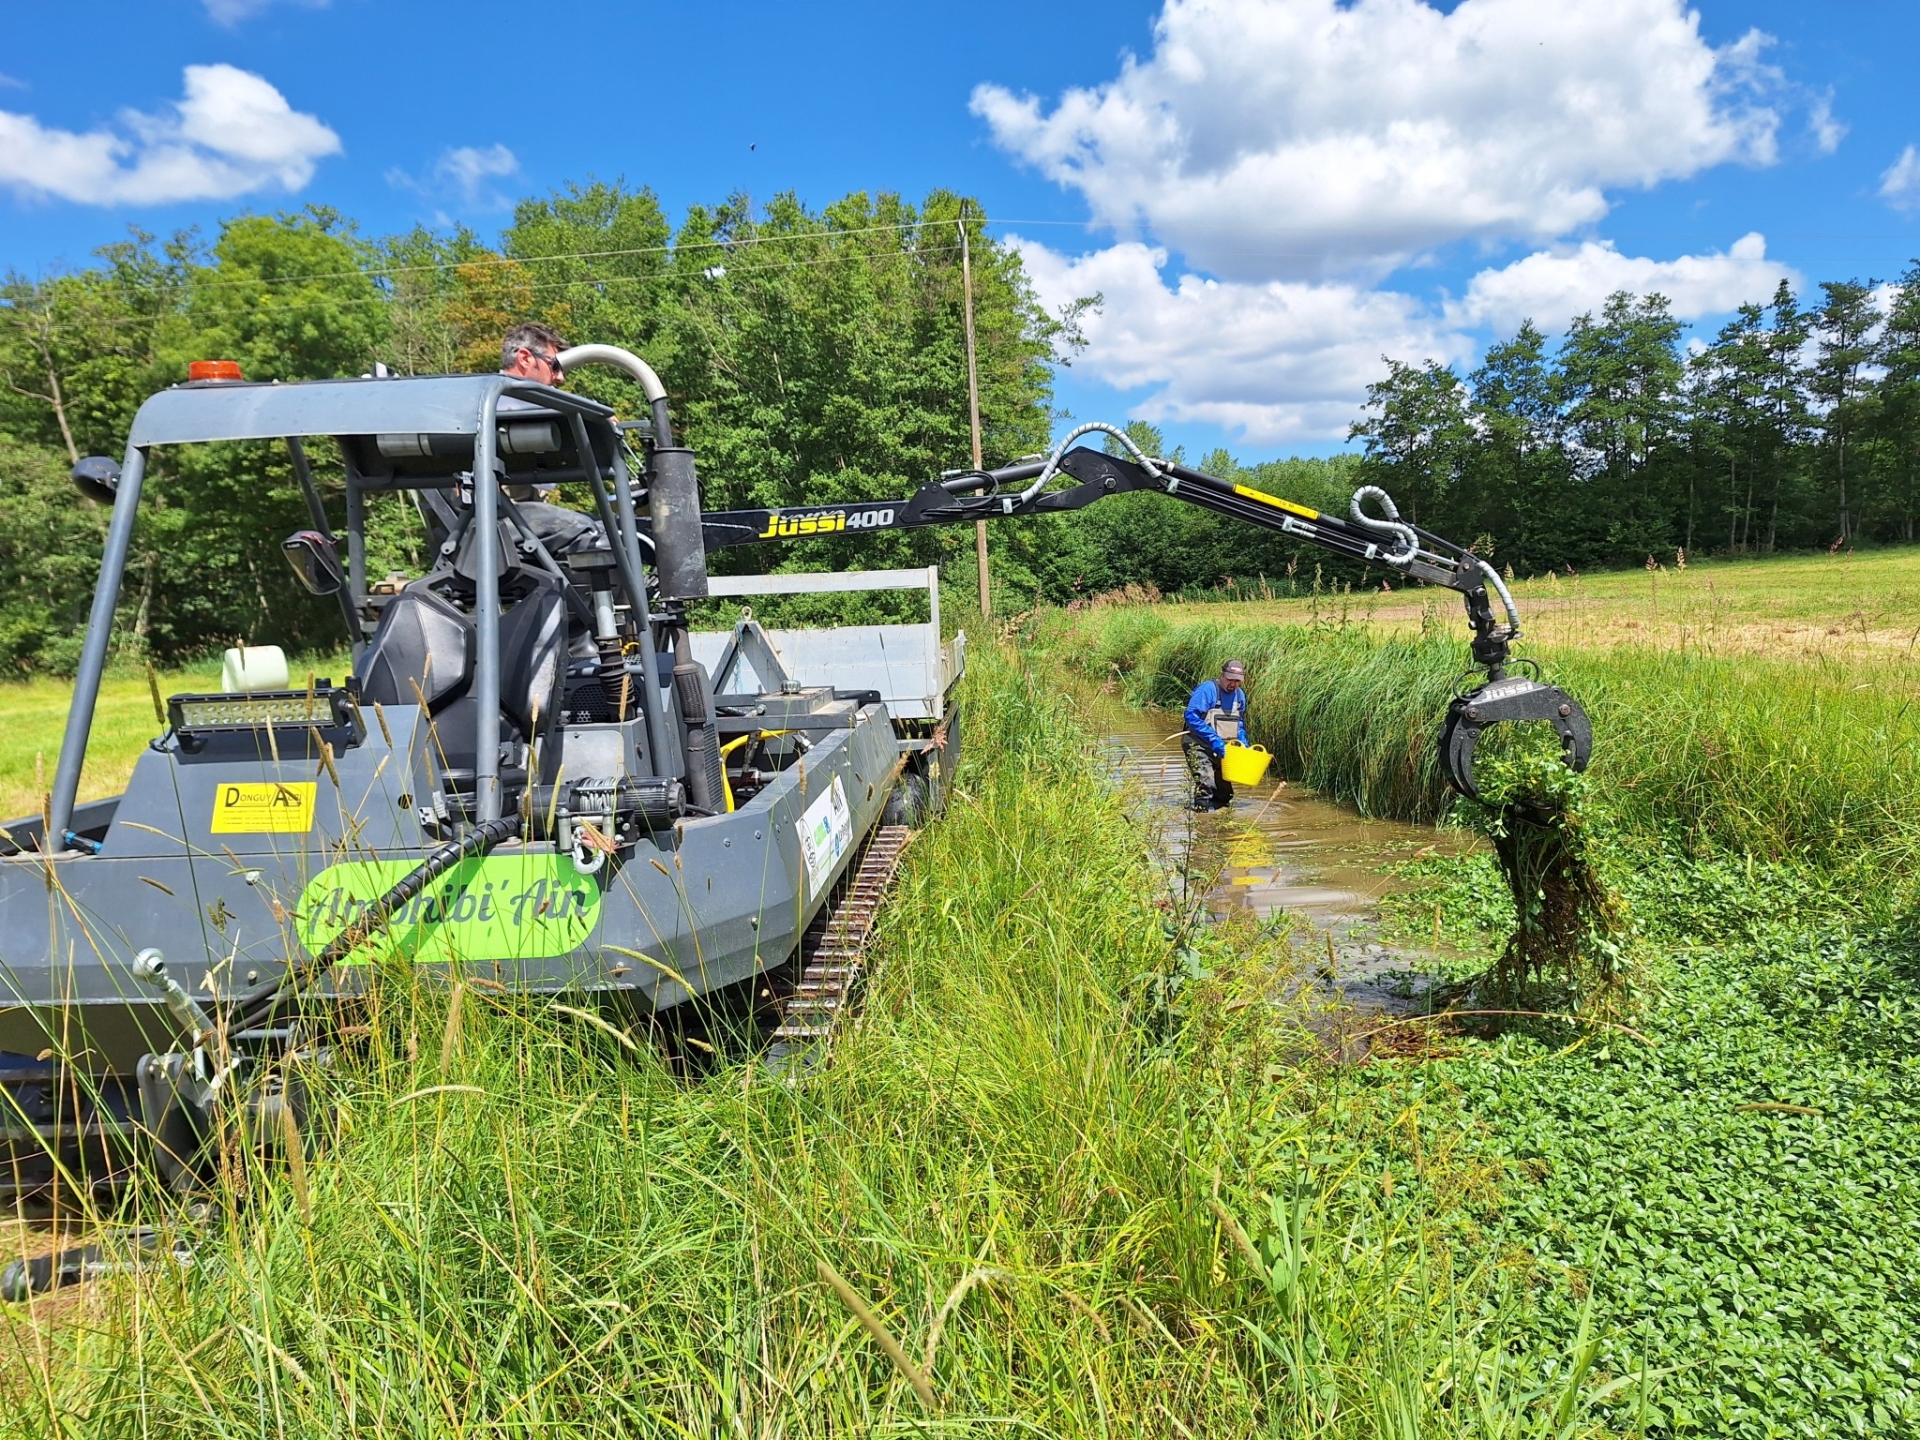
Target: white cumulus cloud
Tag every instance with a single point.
(1303, 138)
(231, 12)
(1274, 361)
(1550, 287)
(462, 177)
(231, 133)
(1281, 361)
(1900, 185)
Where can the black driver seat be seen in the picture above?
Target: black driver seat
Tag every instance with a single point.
(423, 650)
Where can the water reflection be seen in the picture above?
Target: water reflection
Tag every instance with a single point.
(1281, 850)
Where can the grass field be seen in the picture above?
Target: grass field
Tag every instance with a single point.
(1074, 1173)
(1854, 607)
(1079, 1172)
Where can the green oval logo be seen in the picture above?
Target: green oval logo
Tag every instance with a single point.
(531, 906)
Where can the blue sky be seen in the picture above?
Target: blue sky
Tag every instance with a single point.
(1269, 193)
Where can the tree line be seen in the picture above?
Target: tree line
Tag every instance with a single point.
(812, 355)
(817, 356)
(1796, 426)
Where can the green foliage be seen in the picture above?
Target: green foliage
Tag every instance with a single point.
(1769, 757)
(811, 356)
(1794, 427)
(823, 357)
(80, 352)
(1729, 1185)
(1346, 713)
(47, 531)
(1719, 1195)
(1152, 540)
(1568, 930)
(287, 297)
(1066, 1224)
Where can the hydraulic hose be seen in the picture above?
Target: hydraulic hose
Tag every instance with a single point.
(257, 1006)
(1052, 466)
(1506, 598)
(1410, 542)
(1392, 525)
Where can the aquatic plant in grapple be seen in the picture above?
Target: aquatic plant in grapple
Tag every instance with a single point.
(1569, 928)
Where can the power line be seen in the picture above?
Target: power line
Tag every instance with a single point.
(603, 280)
(493, 259)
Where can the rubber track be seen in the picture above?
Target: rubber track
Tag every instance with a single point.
(832, 953)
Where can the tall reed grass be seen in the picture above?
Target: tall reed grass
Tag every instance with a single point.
(1015, 1199)
(1778, 759)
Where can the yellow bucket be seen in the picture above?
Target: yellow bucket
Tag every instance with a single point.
(1244, 765)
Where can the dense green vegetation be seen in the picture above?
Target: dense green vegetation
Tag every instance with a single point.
(1728, 1182)
(1793, 427)
(1733, 1182)
(1700, 1222)
(1774, 758)
(811, 356)
(817, 355)
(1074, 1164)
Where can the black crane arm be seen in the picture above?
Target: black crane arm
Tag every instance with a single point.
(1387, 540)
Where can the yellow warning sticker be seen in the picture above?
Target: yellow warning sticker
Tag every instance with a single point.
(272, 808)
(1265, 499)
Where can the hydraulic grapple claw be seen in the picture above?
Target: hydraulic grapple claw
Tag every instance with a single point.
(1512, 697)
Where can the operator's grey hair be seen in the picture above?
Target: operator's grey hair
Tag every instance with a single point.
(530, 336)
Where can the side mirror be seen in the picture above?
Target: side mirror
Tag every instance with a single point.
(315, 562)
(98, 478)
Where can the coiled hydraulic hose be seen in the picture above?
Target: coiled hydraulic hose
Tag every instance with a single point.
(1052, 467)
(257, 1007)
(1410, 547)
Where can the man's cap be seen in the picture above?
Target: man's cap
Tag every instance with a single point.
(1233, 670)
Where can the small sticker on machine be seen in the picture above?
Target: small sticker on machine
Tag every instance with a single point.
(826, 834)
(270, 808)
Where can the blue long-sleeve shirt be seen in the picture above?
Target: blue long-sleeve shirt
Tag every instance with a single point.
(1207, 696)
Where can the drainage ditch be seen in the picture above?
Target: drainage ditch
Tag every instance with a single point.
(1280, 853)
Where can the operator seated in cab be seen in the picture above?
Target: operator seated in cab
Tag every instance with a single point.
(1216, 714)
(532, 351)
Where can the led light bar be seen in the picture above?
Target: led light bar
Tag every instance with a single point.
(226, 712)
(327, 708)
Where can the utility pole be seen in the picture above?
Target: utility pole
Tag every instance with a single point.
(973, 411)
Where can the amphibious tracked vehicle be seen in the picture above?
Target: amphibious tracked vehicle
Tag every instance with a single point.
(535, 771)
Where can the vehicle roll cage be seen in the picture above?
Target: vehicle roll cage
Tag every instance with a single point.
(360, 414)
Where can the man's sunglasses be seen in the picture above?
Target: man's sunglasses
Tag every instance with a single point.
(552, 362)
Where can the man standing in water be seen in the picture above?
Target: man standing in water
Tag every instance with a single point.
(1216, 713)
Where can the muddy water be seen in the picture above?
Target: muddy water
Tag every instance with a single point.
(1279, 850)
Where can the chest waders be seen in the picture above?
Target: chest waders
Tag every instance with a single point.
(1211, 789)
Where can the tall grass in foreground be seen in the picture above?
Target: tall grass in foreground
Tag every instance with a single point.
(1768, 758)
(1024, 1195)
